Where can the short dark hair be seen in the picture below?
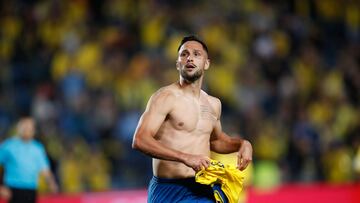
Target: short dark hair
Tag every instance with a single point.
(193, 38)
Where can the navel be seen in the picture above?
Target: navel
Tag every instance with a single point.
(181, 123)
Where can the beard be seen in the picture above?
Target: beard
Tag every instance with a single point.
(191, 78)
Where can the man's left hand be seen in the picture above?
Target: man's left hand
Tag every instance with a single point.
(244, 155)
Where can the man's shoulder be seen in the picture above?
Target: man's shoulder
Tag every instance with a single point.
(166, 92)
(9, 141)
(37, 144)
(212, 99)
(164, 98)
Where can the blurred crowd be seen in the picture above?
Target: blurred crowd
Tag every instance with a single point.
(287, 73)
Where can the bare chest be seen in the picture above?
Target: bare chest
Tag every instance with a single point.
(193, 116)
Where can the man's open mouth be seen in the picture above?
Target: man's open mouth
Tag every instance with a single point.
(190, 65)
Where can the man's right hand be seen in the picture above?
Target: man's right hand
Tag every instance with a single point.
(196, 162)
(5, 192)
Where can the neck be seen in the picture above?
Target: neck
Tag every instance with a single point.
(25, 139)
(192, 88)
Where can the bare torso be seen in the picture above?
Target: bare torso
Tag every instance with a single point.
(187, 128)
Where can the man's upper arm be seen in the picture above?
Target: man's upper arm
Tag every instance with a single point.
(159, 106)
(217, 131)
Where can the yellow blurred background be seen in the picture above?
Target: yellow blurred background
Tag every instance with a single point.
(287, 73)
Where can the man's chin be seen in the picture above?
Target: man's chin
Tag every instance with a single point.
(191, 78)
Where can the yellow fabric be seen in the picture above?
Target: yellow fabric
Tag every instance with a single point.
(227, 176)
(218, 197)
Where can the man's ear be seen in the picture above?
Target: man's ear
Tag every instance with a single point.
(207, 64)
(177, 64)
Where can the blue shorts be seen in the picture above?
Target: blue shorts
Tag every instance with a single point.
(162, 190)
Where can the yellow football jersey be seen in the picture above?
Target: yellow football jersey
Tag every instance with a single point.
(228, 176)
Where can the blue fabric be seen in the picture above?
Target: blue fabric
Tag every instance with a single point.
(217, 189)
(163, 190)
(23, 162)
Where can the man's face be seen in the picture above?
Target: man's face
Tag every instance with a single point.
(192, 61)
(27, 129)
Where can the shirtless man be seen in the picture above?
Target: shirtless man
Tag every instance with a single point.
(179, 127)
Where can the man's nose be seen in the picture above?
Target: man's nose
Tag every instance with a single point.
(190, 58)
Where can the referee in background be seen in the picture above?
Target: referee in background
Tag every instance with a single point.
(23, 160)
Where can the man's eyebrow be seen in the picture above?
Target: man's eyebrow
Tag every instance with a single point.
(184, 50)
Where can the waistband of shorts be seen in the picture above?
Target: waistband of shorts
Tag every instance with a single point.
(22, 189)
(174, 180)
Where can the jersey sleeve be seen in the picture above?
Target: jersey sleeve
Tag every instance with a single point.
(43, 160)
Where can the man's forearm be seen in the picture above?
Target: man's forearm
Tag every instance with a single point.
(226, 145)
(50, 180)
(155, 149)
